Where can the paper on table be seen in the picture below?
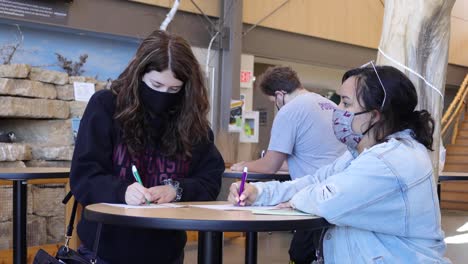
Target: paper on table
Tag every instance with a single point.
(151, 206)
(229, 207)
(282, 211)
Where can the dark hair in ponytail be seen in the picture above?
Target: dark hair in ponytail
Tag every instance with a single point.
(422, 125)
(398, 112)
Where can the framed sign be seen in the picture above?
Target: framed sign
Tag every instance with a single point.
(235, 117)
(250, 131)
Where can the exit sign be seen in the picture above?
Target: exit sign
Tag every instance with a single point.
(246, 76)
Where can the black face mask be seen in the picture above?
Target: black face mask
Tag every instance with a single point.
(158, 102)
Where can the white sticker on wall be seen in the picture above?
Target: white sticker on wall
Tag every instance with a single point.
(83, 91)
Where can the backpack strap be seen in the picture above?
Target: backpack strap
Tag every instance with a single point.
(71, 224)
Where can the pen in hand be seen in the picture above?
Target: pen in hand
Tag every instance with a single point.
(243, 179)
(138, 179)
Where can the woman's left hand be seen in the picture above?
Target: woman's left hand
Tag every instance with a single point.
(162, 194)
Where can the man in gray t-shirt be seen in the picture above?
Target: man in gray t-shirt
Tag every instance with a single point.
(302, 134)
(302, 131)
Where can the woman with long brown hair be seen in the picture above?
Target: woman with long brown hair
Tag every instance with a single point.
(154, 120)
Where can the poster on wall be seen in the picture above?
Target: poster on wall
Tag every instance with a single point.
(235, 117)
(83, 91)
(75, 124)
(249, 133)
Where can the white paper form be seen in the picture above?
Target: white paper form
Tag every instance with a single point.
(231, 207)
(281, 211)
(145, 206)
(267, 210)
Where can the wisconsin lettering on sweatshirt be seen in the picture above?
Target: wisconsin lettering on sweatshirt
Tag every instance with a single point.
(152, 166)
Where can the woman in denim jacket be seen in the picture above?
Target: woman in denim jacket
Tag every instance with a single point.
(381, 194)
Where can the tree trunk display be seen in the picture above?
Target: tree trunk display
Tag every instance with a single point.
(416, 34)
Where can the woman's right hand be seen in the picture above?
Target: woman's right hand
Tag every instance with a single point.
(136, 194)
(247, 197)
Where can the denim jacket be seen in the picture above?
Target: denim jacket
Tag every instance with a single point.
(383, 204)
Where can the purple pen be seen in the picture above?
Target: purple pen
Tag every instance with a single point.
(243, 179)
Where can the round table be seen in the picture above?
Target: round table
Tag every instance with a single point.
(210, 224)
(279, 176)
(19, 176)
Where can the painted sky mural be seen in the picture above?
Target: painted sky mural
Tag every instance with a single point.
(106, 57)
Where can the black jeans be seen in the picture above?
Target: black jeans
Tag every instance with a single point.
(88, 254)
(303, 246)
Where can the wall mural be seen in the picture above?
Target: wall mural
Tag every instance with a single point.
(106, 58)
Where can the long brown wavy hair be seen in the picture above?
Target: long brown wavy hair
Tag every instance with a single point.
(188, 124)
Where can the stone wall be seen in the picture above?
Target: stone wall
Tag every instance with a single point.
(37, 105)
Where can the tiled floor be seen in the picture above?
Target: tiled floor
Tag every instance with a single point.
(273, 249)
(455, 225)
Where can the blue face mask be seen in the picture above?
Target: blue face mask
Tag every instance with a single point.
(342, 127)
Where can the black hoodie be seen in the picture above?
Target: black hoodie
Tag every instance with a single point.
(101, 173)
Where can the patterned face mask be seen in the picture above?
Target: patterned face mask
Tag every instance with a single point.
(342, 126)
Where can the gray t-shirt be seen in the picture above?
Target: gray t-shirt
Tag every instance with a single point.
(303, 130)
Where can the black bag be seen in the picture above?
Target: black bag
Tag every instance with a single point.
(302, 248)
(65, 254)
(42, 257)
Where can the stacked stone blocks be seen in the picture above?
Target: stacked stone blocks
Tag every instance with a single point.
(37, 105)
